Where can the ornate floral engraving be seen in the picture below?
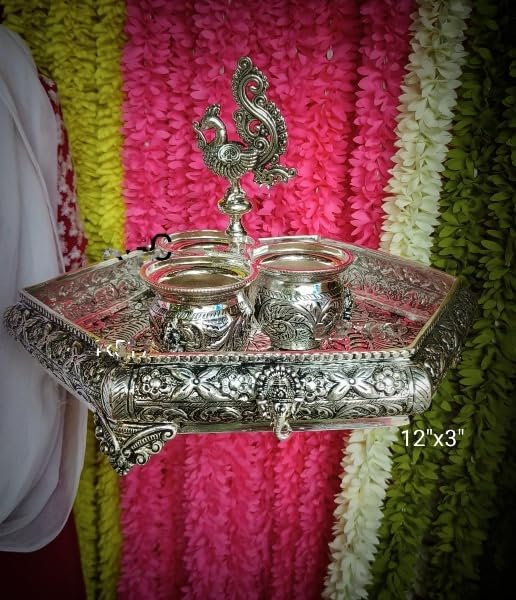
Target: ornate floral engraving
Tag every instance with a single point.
(356, 381)
(388, 380)
(176, 384)
(237, 385)
(295, 320)
(116, 325)
(68, 357)
(142, 403)
(315, 387)
(442, 342)
(133, 444)
(92, 289)
(419, 400)
(157, 383)
(182, 329)
(386, 278)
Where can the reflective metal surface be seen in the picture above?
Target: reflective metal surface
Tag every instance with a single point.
(201, 302)
(161, 347)
(263, 132)
(201, 240)
(91, 330)
(300, 296)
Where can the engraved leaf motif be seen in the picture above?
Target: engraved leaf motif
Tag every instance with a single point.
(204, 388)
(339, 391)
(364, 389)
(182, 392)
(209, 392)
(281, 319)
(278, 310)
(209, 374)
(183, 389)
(181, 374)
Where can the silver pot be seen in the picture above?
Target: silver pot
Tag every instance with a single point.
(300, 297)
(201, 302)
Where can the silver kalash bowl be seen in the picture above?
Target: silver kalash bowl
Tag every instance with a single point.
(201, 302)
(300, 297)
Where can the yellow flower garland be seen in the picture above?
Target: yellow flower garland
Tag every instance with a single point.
(80, 50)
(27, 18)
(109, 38)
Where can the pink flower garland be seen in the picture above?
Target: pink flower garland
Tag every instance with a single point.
(170, 471)
(209, 487)
(384, 52)
(311, 56)
(251, 525)
(320, 478)
(231, 515)
(145, 111)
(179, 58)
(152, 509)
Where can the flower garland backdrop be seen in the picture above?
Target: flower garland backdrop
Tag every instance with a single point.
(366, 467)
(80, 49)
(253, 516)
(177, 60)
(476, 238)
(412, 208)
(438, 508)
(384, 50)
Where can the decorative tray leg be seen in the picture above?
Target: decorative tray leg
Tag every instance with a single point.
(132, 444)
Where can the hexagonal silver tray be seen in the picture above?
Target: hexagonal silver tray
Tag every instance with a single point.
(407, 327)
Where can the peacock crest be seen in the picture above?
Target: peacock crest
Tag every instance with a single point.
(260, 126)
(263, 139)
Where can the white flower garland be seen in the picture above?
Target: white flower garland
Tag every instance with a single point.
(366, 466)
(412, 211)
(426, 112)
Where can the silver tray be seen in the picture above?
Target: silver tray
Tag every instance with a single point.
(90, 330)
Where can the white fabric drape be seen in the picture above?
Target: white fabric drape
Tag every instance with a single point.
(42, 428)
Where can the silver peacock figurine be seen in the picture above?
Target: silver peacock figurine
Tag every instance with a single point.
(261, 127)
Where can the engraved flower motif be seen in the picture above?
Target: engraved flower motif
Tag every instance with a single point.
(315, 387)
(358, 382)
(14, 318)
(105, 294)
(237, 385)
(156, 383)
(388, 380)
(172, 338)
(203, 383)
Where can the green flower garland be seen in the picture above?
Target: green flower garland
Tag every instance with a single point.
(477, 239)
(409, 501)
(497, 568)
(447, 508)
(86, 516)
(412, 210)
(79, 47)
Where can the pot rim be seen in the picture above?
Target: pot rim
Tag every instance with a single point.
(338, 259)
(153, 271)
(196, 240)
